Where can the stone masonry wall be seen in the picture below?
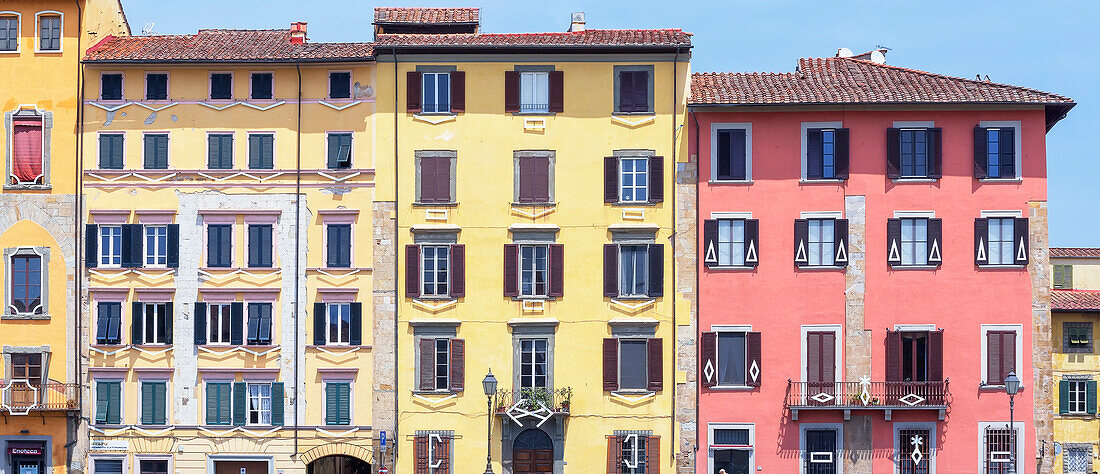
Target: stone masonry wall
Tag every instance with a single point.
(686, 236)
(1041, 357)
(383, 346)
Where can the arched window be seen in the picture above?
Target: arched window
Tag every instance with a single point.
(9, 32)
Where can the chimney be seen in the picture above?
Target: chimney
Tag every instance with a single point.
(576, 22)
(298, 32)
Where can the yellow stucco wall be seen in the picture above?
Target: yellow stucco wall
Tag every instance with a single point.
(1086, 271)
(1075, 428)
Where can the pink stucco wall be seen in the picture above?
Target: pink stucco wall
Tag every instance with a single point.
(776, 298)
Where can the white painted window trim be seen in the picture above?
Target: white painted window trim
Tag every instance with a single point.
(839, 427)
(167, 86)
(621, 185)
(806, 126)
(109, 457)
(38, 32)
(156, 330)
(149, 252)
(822, 215)
(324, 398)
(914, 124)
(1018, 146)
(328, 335)
(546, 91)
(139, 457)
(734, 329)
(730, 426)
(121, 399)
(914, 214)
(987, 214)
(731, 215)
(930, 444)
(423, 93)
(448, 274)
(1084, 393)
(100, 248)
(1019, 329)
(714, 127)
(1021, 441)
(731, 328)
(106, 73)
(210, 323)
(248, 399)
(18, 28)
(838, 347)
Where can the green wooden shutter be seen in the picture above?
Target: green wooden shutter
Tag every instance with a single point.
(114, 403)
(1063, 397)
(213, 398)
(332, 399)
(102, 403)
(277, 403)
(1090, 397)
(345, 403)
(240, 401)
(147, 404)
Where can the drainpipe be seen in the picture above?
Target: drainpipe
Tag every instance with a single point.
(297, 249)
(675, 80)
(698, 293)
(396, 252)
(77, 221)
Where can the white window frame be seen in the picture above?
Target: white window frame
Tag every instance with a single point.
(1020, 428)
(533, 88)
(640, 460)
(121, 399)
(123, 85)
(838, 347)
(823, 250)
(742, 329)
(102, 249)
(533, 351)
(915, 242)
(711, 447)
(146, 323)
(1019, 329)
(1011, 242)
(210, 85)
(806, 127)
(1081, 400)
(1016, 125)
(329, 307)
(167, 86)
(930, 446)
(839, 427)
(424, 92)
(351, 399)
(96, 458)
(18, 30)
(714, 128)
(634, 187)
(213, 320)
(38, 32)
(447, 363)
(260, 396)
(523, 264)
(149, 251)
(437, 272)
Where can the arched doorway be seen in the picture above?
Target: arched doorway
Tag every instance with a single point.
(533, 452)
(338, 464)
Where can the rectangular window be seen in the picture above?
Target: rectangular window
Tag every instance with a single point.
(337, 403)
(633, 369)
(156, 86)
(731, 158)
(108, 323)
(156, 246)
(1063, 277)
(339, 324)
(820, 455)
(914, 241)
(1001, 234)
(914, 356)
(824, 162)
(261, 151)
(110, 86)
(154, 410)
(108, 402)
(1000, 356)
(110, 151)
(435, 179)
(108, 466)
(110, 246)
(9, 33)
(1077, 337)
(532, 363)
(154, 466)
(821, 236)
(533, 270)
(732, 450)
(634, 458)
(218, 403)
(156, 151)
(219, 323)
(27, 367)
(1000, 153)
(259, 324)
(221, 86)
(437, 92)
(534, 179)
(259, 404)
(633, 179)
(219, 151)
(633, 91)
(339, 85)
(1077, 395)
(339, 246)
(914, 153)
(633, 270)
(49, 33)
(1077, 458)
(339, 150)
(534, 92)
(155, 322)
(442, 363)
(262, 86)
(219, 245)
(731, 242)
(435, 262)
(27, 152)
(26, 284)
(999, 444)
(914, 448)
(731, 358)
(259, 246)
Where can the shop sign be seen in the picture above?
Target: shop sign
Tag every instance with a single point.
(110, 445)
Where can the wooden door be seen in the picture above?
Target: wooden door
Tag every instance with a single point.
(534, 461)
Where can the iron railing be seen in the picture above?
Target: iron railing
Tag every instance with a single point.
(20, 397)
(867, 395)
(530, 399)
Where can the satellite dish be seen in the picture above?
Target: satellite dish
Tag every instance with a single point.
(877, 57)
(148, 29)
(1057, 449)
(844, 53)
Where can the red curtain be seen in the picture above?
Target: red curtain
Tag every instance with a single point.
(27, 156)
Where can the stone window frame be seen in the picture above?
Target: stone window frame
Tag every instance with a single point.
(96, 458)
(714, 129)
(437, 69)
(9, 147)
(337, 378)
(1076, 446)
(43, 350)
(930, 445)
(550, 155)
(44, 254)
(1065, 337)
(139, 457)
(616, 71)
(1019, 427)
(806, 127)
(632, 330)
(1017, 146)
(1018, 364)
(839, 427)
(533, 330)
(431, 330)
(450, 154)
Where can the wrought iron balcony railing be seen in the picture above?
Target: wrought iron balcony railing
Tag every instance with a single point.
(18, 397)
(531, 400)
(867, 395)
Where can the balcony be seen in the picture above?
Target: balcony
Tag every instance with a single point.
(867, 395)
(540, 403)
(20, 398)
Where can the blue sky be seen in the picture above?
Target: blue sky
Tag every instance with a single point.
(1043, 45)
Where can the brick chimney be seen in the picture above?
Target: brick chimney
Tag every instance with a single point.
(298, 32)
(576, 22)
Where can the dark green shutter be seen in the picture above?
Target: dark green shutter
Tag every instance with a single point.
(319, 324)
(102, 401)
(212, 394)
(240, 402)
(169, 319)
(173, 257)
(1063, 397)
(1090, 397)
(356, 337)
(136, 333)
(277, 403)
(236, 323)
(147, 407)
(114, 403)
(91, 247)
(332, 400)
(200, 324)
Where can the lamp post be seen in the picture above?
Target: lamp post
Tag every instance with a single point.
(489, 384)
(1012, 386)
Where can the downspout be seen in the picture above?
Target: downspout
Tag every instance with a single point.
(297, 250)
(698, 291)
(675, 79)
(396, 253)
(78, 218)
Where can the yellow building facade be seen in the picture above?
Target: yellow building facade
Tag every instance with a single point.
(1075, 311)
(41, 43)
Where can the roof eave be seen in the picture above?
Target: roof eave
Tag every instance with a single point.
(472, 49)
(1057, 112)
(229, 61)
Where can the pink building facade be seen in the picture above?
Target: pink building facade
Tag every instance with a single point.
(871, 242)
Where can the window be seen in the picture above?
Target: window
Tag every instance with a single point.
(108, 402)
(731, 242)
(337, 403)
(108, 466)
(442, 363)
(110, 246)
(339, 324)
(9, 33)
(259, 324)
(914, 356)
(156, 246)
(821, 236)
(732, 150)
(1000, 357)
(259, 404)
(820, 454)
(261, 151)
(339, 150)
(914, 153)
(995, 152)
(27, 366)
(218, 403)
(1063, 277)
(1076, 396)
(435, 262)
(49, 32)
(262, 86)
(634, 92)
(534, 92)
(914, 241)
(635, 452)
(532, 363)
(260, 246)
(436, 92)
(219, 151)
(110, 86)
(156, 151)
(154, 466)
(27, 150)
(436, 179)
(219, 241)
(26, 284)
(221, 86)
(914, 448)
(826, 153)
(1077, 458)
(633, 372)
(633, 179)
(731, 449)
(156, 322)
(219, 323)
(108, 323)
(1077, 337)
(633, 270)
(111, 151)
(533, 270)
(154, 403)
(998, 445)
(156, 86)
(339, 85)
(532, 179)
(1001, 235)
(338, 251)
(434, 450)
(731, 358)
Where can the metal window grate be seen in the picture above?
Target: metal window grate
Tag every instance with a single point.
(998, 451)
(914, 448)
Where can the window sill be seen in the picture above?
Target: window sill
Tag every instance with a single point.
(730, 181)
(1078, 415)
(1000, 180)
(151, 346)
(1001, 267)
(817, 268)
(730, 268)
(821, 181)
(534, 114)
(435, 204)
(437, 114)
(27, 187)
(338, 346)
(262, 346)
(638, 391)
(914, 267)
(914, 180)
(632, 298)
(533, 298)
(436, 298)
(25, 317)
(994, 388)
(435, 392)
(632, 203)
(117, 345)
(731, 388)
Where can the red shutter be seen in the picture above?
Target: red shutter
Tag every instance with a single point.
(27, 153)
(542, 179)
(557, 91)
(610, 364)
(611, 270)
(753, 359)
(427, 364)
(708, 354)
(655, 364)
(458, 271)
(511, 270)
(511, 91)
(935, 355)
(993, 358)
(656, 179)
(557, 270)
(412, 271)
(653, 455)
(412, 93)
(458, 365)
(458, 92)
(443, 450)
(614, 446)
(421, 448)
(610, 179)
(893, 356)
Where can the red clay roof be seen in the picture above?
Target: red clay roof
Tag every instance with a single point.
(427, 16)
(588, 37)
(223, 46)
(1075, 300)
(1082, 252)
(855, 81)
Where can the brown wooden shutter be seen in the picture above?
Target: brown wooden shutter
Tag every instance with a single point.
(611, 270)
(557, 91)
(653, 455)
(813, 356)
(981, 245)
(610, 179)
(421, 448)
(557, 270)
(610, 364)
(458, 92)
(442, 180)
(457, 375)
(893, 153)
(935, 241)
(840, 242)
(412, 271)
(753, 359)
(656, 179)
(893, 356)
(708, 358)
(427, 364)
(801, 242)
(412, 93)
(752, 242)
(614, 446)
(935, 355)
(840, 153)
(710, 243)
(893, 242)
(656, 270)
(655, 364)
(444, 447)
(1008, 354)
(981, 153)
(458, 271)
(511, 91)
(511, 270)
(1021, 250)
(935, 148)
(828, 357)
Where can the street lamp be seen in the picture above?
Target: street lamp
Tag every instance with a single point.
(1012, 386)
(489, 384)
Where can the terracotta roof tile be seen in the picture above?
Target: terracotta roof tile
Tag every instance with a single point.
(1082, 252)
(852, 81)
(427, 16)
(223, 46)
(1075, 300)
(590, 37)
